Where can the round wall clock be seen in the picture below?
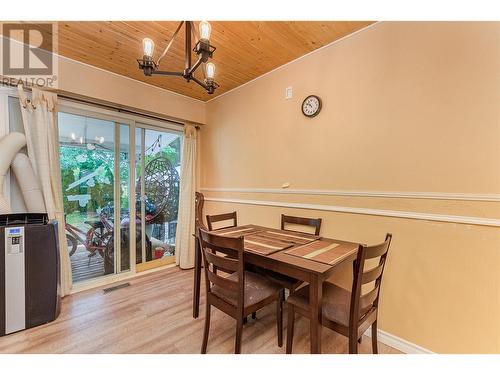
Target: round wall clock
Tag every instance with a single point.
(311, 106)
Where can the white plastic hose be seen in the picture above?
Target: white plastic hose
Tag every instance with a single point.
(28, 182)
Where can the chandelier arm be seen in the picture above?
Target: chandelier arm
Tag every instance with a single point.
(196, 65)
(165, 73)
(200, 83)
(170, 43)
(204, 70)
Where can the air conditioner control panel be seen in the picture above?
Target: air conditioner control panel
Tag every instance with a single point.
(14, 240)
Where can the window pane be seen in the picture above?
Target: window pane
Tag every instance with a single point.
(87, 170)
(161, 190)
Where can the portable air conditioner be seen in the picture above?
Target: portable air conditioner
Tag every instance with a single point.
(29, 271)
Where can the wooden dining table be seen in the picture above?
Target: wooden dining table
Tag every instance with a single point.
(299, 260)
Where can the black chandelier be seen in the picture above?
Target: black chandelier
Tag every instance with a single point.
(202, 48)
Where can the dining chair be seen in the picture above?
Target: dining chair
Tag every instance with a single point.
(288, 282)
(211, 219)
(199, 201)
(305, 221)
(238, 294)
(348, 313)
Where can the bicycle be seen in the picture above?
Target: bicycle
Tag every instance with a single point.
(94, 240)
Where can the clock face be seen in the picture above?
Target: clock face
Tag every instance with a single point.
(311, 106)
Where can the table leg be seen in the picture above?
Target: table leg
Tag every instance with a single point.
(315, 301)
(197, 279)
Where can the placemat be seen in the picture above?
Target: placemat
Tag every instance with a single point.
(323, 251)
(262, 245)
(288, 236)
(237, 231)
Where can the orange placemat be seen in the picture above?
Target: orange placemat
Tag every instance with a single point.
(263, 245)
(289, 236)
(237, 231)
(324, 251)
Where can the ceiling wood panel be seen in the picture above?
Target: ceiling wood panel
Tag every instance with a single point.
(245, 50)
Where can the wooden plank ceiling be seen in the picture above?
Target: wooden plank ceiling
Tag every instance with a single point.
(245, 50)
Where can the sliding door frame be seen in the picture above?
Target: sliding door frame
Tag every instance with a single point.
(154, 263)
(134, 122)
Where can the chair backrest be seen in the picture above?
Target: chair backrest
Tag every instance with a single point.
(211, 246)
(199, 201)
(211, 219)
(315, 223)
(361, 304)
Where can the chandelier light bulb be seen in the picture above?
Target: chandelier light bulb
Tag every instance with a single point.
(210, 68)
(205, 30)
(148, 46)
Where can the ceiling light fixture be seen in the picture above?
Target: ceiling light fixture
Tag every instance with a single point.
(202, 48)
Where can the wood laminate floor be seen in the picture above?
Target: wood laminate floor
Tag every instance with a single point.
(154, 315)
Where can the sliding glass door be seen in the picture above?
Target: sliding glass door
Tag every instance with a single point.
(157, 190)
(94, 164)
(120, 182)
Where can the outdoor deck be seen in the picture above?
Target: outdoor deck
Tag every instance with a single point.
(85, 268)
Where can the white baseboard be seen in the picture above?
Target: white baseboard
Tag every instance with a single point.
(398, 343)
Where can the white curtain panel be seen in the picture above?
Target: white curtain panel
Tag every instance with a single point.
(42, 138)
(184, 243)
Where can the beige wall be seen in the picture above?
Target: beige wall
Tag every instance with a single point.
(96, 83)
(410, 107)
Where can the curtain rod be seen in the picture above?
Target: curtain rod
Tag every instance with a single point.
(113, 106)
(120, 108)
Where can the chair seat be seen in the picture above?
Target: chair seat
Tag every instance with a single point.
(336, 303)
(257, 289)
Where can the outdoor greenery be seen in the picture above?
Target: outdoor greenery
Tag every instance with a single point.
(78, 162)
